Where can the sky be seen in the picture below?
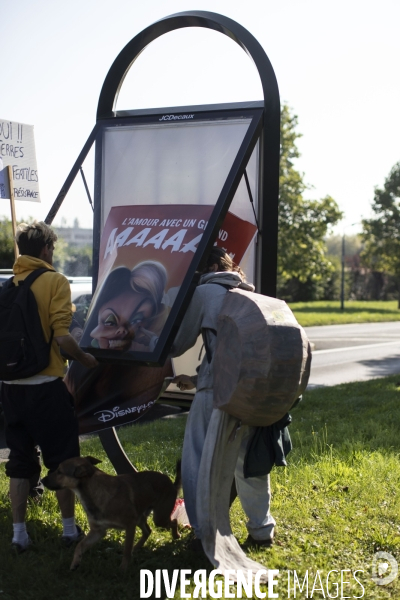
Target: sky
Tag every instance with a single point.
(337, 66)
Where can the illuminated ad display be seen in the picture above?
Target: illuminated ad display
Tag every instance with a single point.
(161, 183)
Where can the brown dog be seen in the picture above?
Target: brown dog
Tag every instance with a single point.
(117, 502)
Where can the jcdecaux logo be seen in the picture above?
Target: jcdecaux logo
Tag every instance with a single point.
(176, 117)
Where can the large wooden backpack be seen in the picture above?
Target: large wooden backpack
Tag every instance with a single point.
(262, 359)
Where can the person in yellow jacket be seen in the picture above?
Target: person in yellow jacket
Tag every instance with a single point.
(38, 410)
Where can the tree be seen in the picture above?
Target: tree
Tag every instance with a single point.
(61, 255)
(303, 224)
(381, 234)
(7, 257)
(79, 261)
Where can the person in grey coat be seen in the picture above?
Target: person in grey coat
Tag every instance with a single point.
(201, 316)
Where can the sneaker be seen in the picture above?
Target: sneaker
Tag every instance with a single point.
(19, 548)
(262, 543)
(69, 540)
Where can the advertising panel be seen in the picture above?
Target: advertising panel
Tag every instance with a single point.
(160, 191)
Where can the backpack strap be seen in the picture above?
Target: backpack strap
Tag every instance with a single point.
(213, 331)
(205, 342)
(27, 282)
(33, 276)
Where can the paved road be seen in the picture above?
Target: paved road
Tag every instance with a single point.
(345, 353)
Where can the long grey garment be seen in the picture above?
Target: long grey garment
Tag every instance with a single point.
(254, 493)
(220, 545)
(218, 461)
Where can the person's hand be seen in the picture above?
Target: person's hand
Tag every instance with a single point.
(183, 382)
(88, 361)
(71, 349)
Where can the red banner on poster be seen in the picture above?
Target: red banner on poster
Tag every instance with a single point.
(166, 233)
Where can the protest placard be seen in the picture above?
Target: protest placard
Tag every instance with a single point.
(17, 150)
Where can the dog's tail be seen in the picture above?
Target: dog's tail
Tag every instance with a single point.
(178, 476)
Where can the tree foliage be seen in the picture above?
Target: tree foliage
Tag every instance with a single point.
(303, 224)
(70, 260)
(6, 244)
(79, 262)
(381, 234)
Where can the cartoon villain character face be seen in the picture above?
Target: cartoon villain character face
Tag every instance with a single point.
(120, 318)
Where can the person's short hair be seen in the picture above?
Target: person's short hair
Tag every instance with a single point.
(31, 239)
(221, 258)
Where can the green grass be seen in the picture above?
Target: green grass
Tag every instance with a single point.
(330, 313)
(336, 504)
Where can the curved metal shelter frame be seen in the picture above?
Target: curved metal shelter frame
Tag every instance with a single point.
(269, 139)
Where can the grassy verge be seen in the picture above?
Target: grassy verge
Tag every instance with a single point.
(335, 505)
(329, 313)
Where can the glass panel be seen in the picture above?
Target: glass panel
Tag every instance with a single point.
(159, 184)
(168, 163)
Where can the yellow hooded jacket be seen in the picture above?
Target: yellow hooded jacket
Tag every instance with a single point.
(53, 297)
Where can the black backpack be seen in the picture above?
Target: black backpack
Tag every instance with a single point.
(23, 349)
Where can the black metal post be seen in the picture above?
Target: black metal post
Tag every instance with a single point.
(115, 452)
(86, 187)
(342, 280)
(70, 179)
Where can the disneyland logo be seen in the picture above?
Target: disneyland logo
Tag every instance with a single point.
(175, 117)
(116, 412)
